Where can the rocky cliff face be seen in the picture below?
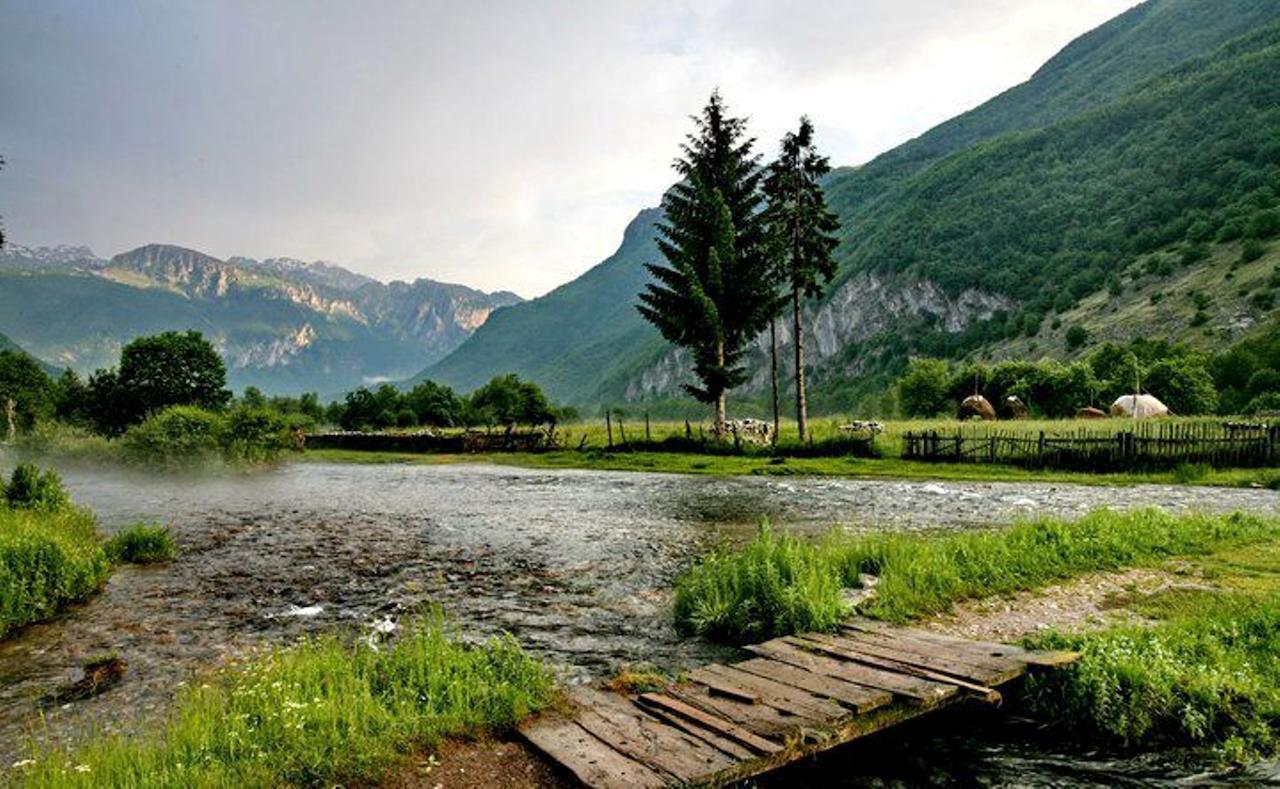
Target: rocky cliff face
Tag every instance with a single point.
(861, 308)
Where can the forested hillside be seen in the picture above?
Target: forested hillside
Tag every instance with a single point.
(1146, 136)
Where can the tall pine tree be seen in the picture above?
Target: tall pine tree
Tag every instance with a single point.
(715, 292)
(801, 233)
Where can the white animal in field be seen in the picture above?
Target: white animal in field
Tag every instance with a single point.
(863, 426)
(753, 430)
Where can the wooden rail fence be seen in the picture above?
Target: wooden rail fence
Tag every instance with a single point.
(1145, 447)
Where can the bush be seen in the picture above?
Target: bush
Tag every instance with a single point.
(1263, 224)
(32, 489)
(177, 436)
(141, 544)
(253, 435)
(1251, 250)
(1211, 680)
(923, 391)
(48, 559)
(775, 585)
(1077, 336)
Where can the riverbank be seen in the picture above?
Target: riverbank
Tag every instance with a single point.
(839, 467)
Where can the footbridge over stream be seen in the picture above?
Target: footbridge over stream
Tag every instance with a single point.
(797, 696)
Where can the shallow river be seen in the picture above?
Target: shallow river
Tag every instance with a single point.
(577, 564)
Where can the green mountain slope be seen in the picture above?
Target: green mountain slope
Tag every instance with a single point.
(7, 344)
(1019, 199)
(577, 334)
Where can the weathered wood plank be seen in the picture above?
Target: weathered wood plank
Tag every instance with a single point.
(857, 697)
(783, 698)
(845, 650)
(720, 687)
(714, 723)
(947, 658)
(759, 719)
(798, 653)
(588, 759)
(653, 743)
(1039, 658)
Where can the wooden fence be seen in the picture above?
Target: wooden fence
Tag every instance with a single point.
(1145, 447)
(498, 441)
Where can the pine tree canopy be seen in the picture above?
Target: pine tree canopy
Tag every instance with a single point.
(801, 228)
(714, 293)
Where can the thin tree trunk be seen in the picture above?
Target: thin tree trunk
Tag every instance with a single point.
(720, 396)
(773, 365)
(10, 412)
(802, 409)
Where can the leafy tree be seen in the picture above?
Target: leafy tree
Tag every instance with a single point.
(506, 400)
(359, 411)
(170, 369)
(715, 292)
(253, 398)
(71, 399)
(435, 405)
(1183, 384)
(923, 391)
(26, 393)
(801, 235)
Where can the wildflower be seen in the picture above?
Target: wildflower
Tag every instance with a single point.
(82, 768)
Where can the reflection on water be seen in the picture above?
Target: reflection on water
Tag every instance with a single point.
(577, 564)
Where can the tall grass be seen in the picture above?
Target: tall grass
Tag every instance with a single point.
(141, 543)
(321, 713)
(1211, 679)
(47, 560)
(777, 585)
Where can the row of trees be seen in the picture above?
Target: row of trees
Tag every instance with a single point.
(740, 241)
(505, 400)
(1241, 380)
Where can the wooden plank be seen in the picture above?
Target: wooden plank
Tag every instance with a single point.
(591, 761)
(857, 697)
(714, 723)
(759, 719)
(1041, 658)
(657, 745)
(914, 688)
(845, 650)
(781, 697)
(976, 657)
(729, 690)
(942, 659)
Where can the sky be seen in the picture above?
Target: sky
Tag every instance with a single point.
(503, 145)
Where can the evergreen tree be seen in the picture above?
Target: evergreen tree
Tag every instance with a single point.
(714, 294)
(802, 234)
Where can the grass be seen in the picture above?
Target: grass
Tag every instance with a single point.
(320, 713)
(1206, 674)
(47, 560)
(777, 585)
(141, 544)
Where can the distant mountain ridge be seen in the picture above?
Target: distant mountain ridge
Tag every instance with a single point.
(968, 234)
(282, 324)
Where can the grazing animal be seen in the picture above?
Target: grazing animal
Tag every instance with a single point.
(756, 431)
(860, 426)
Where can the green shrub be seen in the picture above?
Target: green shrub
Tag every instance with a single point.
(253, 435)
(322, 713)
(1186, 473)
(177, 436)
(1251, 250)
(1209, 680)
(48, 559)
(32, 489)
(772, 586)
(141, 544)
(1263, 300)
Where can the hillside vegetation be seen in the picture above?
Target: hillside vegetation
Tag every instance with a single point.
(1153, 134)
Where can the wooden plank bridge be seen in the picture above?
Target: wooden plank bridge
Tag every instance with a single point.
(796, 696)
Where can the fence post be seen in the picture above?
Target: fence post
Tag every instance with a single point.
(608, 426)
(647, 437)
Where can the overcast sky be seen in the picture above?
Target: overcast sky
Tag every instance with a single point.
(502, 145)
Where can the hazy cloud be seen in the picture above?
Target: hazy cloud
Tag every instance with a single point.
(500, 144)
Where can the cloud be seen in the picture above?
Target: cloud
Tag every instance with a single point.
(503, 145)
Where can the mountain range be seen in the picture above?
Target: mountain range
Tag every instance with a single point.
(1129, 188)
(1154, 135)
(281, 324)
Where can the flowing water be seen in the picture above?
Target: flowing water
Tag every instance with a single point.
(578, 565)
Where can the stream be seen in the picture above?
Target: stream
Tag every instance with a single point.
(578, 565)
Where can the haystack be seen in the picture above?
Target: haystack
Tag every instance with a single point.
(976, 405)
(1089, 412)
(1014, 408)
(1143, 406)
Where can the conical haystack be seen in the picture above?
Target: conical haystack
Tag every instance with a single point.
(1143, 406)
(976, 405)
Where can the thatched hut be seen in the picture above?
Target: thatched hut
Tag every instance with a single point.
(975, 405)
(1089, 412)
(1143, 406)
